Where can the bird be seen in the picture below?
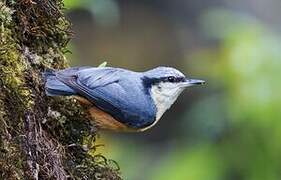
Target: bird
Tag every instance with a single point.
(120, 99)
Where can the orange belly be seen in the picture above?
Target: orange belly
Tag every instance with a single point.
(106, 121)
(103, 119)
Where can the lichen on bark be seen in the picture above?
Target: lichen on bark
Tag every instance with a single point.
(41, 137)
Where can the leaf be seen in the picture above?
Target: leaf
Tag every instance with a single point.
(103, 64)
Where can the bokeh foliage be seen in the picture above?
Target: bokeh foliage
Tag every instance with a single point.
(233, 130)
(239, 126)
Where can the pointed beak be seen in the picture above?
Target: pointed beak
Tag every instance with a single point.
(195, 81)
(192, 82)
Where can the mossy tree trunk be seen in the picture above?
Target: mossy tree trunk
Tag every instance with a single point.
(41, 137)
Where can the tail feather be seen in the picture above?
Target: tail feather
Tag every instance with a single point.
(55, 87)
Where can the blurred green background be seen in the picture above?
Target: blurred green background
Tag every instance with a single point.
(229, 129)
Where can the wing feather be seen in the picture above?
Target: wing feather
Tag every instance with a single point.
(104, 88)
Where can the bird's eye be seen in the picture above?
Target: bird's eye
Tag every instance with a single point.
(171, 79)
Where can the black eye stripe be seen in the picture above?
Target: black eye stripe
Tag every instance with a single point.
(173, 79)
(148, 82)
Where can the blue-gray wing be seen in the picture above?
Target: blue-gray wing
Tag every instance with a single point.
(116, 91)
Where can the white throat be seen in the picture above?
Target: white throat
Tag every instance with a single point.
(164, 95)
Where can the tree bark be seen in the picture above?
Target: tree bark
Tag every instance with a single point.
(41, 137)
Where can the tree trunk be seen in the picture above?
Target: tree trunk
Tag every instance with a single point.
(41, 137)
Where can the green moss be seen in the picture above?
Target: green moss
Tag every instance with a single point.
(14, 99)
(5, 13)
(41, 137)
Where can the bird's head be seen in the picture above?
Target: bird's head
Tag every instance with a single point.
(165, 84)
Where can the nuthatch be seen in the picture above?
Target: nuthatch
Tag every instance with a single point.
(121, 99)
